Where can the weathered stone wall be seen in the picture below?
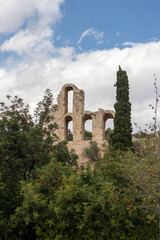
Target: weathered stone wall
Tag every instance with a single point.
(62, 117)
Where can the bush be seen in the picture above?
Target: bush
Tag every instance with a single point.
(92, 152)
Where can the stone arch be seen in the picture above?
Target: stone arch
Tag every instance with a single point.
(106, 116)
(86, 117)
(77, 99)
(79, 116)
(67, 120)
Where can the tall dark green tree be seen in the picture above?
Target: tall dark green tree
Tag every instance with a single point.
(122, 134)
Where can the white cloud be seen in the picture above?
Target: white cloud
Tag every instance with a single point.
(7, 82)
(36, 17)
(25, 41)
(95, 72)
(97, 35)
(32, 26)
(131, 44)
(14, 13)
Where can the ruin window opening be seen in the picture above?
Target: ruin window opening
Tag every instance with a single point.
(69, 100)
(87, 128)
(69, 128)
(108, 127)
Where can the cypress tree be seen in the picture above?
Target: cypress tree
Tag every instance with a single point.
(122, 134)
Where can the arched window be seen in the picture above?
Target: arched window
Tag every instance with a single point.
(69, 128)
(108, 126)
(69, 99)
(87, 127)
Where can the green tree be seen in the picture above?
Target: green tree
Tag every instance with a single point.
(143, 170)
(26, 143)
(87, 135)
(92, 152)
(63, 155)
(108, 133)
(132, 174)
(63, 203)
(122, 134)
(35, 216)
(70, 135)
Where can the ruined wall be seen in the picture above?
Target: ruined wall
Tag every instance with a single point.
(79, 116)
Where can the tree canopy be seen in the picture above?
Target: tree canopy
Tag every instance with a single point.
(122, 134)
(44, 195)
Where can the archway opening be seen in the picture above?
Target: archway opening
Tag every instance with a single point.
(87, 127)
(69, 128)
(108, 126)
(69, 99)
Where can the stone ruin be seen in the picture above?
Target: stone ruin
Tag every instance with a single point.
(79, 116)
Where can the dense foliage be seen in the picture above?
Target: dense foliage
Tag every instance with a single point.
(43, 195)
(122, 134)
(104, 203)
(26, 143)
(108, 134)
(92, 152)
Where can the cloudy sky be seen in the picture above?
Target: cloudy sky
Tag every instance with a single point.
(47, 43)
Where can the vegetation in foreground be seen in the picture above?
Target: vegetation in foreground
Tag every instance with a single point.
(43, 195)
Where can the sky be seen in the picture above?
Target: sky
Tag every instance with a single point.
(48, 43)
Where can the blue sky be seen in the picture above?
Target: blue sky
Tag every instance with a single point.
(120, 20)
(47, 43)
